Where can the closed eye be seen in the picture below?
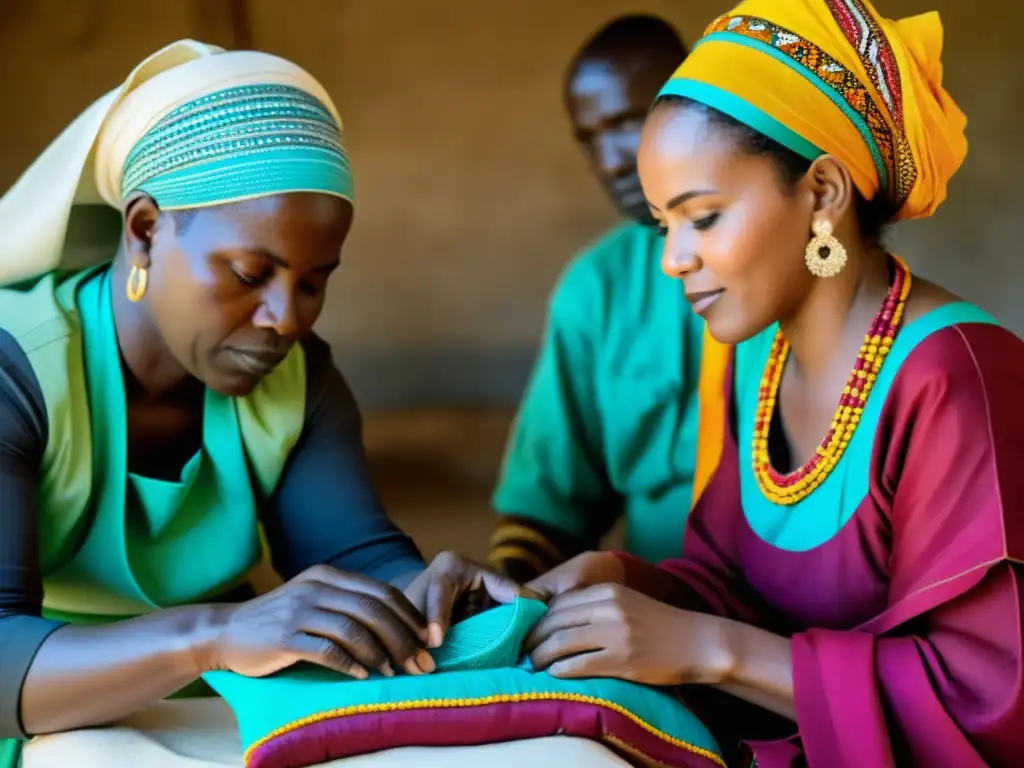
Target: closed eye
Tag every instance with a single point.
(311, 290)
(246, 279)
(707, 222)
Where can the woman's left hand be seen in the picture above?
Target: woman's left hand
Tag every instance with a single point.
(451, 580)
(610, 630)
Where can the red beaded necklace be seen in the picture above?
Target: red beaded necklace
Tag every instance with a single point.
(791, 487)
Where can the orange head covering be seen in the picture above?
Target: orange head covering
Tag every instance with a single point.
(833, 77)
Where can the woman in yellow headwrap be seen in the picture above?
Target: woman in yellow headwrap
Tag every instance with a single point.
(852, 570)
(162, 396)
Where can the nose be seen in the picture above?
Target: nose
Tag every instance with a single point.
(612, 157)
(678, 261)
(277, 311)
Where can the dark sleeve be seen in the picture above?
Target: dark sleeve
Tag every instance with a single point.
(325, 509)
(23, 433)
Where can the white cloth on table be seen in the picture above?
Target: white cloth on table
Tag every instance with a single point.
(202, 733)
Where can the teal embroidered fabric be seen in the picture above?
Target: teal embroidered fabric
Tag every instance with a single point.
(491, 639)
(484, 691)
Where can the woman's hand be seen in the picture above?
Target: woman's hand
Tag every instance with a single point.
(611, 631)
(450, 581)
(584, 570)
(343, 621)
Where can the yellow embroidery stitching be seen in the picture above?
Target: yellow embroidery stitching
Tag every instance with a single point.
(365, 709)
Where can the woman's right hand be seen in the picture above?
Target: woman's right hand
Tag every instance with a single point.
(582, 571)
(343, 621)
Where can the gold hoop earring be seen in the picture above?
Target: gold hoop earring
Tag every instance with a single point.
(825, 256)
(138, 279)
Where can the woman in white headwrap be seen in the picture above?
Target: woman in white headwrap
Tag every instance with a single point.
(158, 407)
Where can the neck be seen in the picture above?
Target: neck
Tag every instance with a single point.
(828, 328)
(149, 367)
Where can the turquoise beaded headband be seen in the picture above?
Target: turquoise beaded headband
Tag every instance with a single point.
(237, 144)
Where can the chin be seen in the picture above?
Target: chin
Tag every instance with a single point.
(234, 386)
(731, 330)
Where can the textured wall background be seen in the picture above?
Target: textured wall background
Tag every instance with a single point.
(471, 195)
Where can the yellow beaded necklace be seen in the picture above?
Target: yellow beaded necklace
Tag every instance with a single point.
(791, 487)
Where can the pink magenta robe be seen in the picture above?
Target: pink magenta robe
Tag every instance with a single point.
(905, 625)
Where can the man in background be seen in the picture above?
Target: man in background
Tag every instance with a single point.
(608, 425)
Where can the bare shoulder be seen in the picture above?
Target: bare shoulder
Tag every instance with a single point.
(926, 296)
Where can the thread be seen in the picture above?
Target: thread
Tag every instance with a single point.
(491, 639)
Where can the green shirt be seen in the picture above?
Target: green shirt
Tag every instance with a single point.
(608, 424)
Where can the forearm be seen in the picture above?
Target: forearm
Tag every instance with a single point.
(86, 676)
(759, 668)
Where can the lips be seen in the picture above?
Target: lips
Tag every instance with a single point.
(701, 301)
(257, 362)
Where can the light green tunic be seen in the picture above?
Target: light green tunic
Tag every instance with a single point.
(608, 424)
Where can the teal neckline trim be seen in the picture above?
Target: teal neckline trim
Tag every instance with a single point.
(161, 499)
(807, 74)
(819, 517)
(742, 110)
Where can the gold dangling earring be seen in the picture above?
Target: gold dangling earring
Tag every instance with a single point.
(138, 279)
(825, 256)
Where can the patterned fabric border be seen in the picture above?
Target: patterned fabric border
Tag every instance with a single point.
(846, 89)
(252, 753)
(876, 54)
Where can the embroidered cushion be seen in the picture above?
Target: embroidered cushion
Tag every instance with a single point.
(483, 692)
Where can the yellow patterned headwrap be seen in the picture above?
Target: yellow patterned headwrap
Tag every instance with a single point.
(833, 77)
(827, 77)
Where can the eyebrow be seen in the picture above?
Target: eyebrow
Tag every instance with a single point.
(274, 258)
(682, 198)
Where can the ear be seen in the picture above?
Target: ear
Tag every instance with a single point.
(141, 222)
(833, 190)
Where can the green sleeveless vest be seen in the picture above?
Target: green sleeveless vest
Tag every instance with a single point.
(115, 545)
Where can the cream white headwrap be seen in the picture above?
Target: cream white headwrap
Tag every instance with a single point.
(83, 166)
